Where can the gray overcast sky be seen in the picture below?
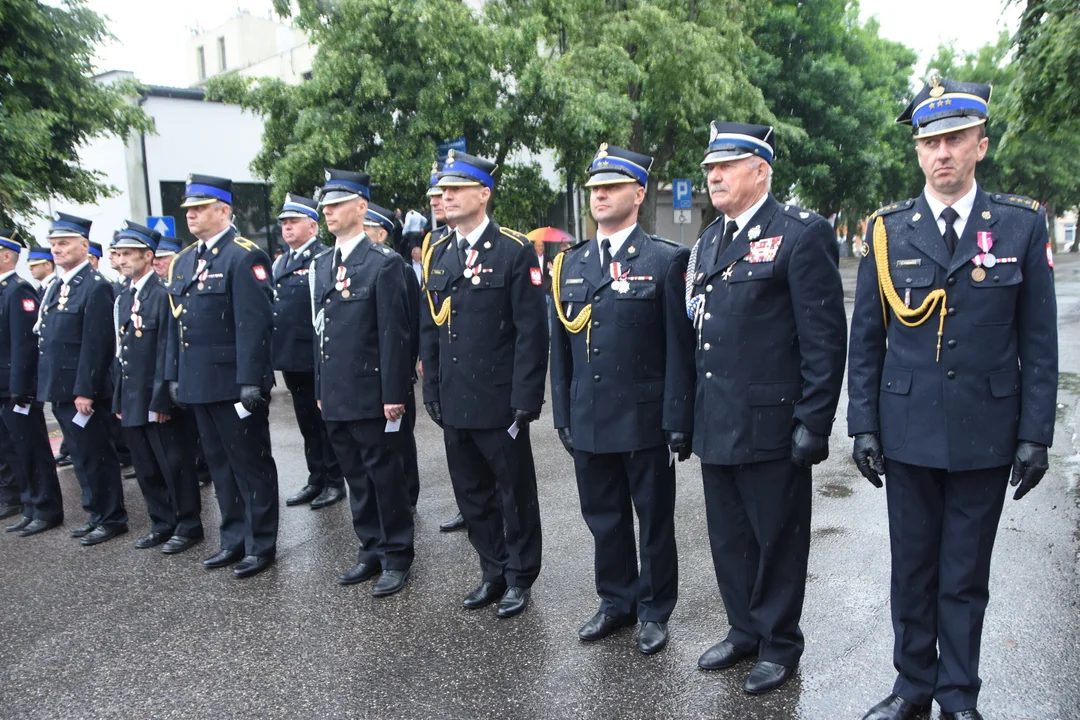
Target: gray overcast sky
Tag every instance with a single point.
(151, 42)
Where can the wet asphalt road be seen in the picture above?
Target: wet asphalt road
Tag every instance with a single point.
(115, 632)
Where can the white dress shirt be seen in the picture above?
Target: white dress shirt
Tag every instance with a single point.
(474, 237)
(616, 239)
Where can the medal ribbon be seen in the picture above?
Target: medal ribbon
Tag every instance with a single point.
(340, 273)
(201, 267)
(985, 241)
(64, 290)
(617, 273)
(470, 258)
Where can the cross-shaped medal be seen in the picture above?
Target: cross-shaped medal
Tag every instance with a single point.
(729, 272)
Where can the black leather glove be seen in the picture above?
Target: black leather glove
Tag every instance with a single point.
(524, 417)
(24, 400)
(174, 394)
(1029, 466)
(868, 457)
(679, 443)
(434, 411)
(567, 439)
(251, 397)
(808, 448)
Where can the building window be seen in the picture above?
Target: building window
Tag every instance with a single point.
(221, 54)
(200, 62)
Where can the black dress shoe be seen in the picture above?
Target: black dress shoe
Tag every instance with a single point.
(306, 495)
(484, 594)
(328, 497)
(37, 526)
(390, 582)
(895, 707)
(63, 461)
(602, 625)
(722, 655)
(102, 533)
(23, 522)
(7, 511)
(455, 523)
(358, 573)
(83, 530)
(652, 638)
(252, 565)
(223, 558)
(971, 714)
(152, 540)
(767, 676)
(513, 602)
(131, 474)
(178, 544)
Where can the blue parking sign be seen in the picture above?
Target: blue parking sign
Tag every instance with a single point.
(681, 194)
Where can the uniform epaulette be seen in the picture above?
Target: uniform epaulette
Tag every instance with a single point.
(659, 239)
(384, 250)
(804, 216)
(520, 238)
(1016, 201)
(895, 207)
(575, 246)
(243, 242)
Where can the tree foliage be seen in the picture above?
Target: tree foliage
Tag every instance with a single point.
(50, 105)
(1047, 93)
(391, 79)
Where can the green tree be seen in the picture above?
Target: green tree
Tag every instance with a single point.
(390, 80)
(648, 76)
(842, 86)
(50, 105)
(1048, 64)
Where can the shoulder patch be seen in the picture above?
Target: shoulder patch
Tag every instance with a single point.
(1016, 201)
(245, 243)
(890, 209)
(514, 235)
(801, 214)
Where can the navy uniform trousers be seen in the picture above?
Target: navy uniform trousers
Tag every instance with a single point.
(611, 487)
(238, 455)
(25, 447)
(96, 464)
(324, 471)
(165, 467)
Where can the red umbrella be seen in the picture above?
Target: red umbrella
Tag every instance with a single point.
(550, 235)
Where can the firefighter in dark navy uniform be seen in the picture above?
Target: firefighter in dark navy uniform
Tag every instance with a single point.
(440, 227)
(164, 466)
(484, 349)
(24, 438)
(75, 375)
(362, 377)
(379, 226)
(622, 389)
(294, 349)
(953, 381)
(764, 294)
(222, 305)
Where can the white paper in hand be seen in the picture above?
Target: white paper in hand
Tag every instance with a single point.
(241, 411)
(393, 425)
(513, 430)
(81, 419)
(22, 409)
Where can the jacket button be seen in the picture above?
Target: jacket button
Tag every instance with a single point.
(596, 323)
(453, 313)
(708, 346)
(453, 360)
(951, 312)
(596, 351)
(453, 336)
(952, 281)
(908, 281)
(997, 278)
(951, 375)
(596, 378)
(952, 343)
(596, 298)
(708, 374)
(708, 288)
(888, 384)
(708, 316)
(454, 288)
(186, 345)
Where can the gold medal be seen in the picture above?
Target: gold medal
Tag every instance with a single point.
(62, 301)
(138, 333)
(201, 286)
(978, 274)
(345, 293)
(476, 280)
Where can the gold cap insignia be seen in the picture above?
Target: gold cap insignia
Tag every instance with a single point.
(602, 152)
(435, 166)
(450, 158)
(936, 89)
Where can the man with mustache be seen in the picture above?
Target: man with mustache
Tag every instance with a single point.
(953, 381)
(764, 294)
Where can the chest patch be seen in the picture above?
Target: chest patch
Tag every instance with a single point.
(28, 305)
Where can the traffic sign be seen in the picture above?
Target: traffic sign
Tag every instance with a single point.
(683, 217)
(164, 224)
(443, 148)
(681, 195)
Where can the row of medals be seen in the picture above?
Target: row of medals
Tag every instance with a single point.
(470, 273)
